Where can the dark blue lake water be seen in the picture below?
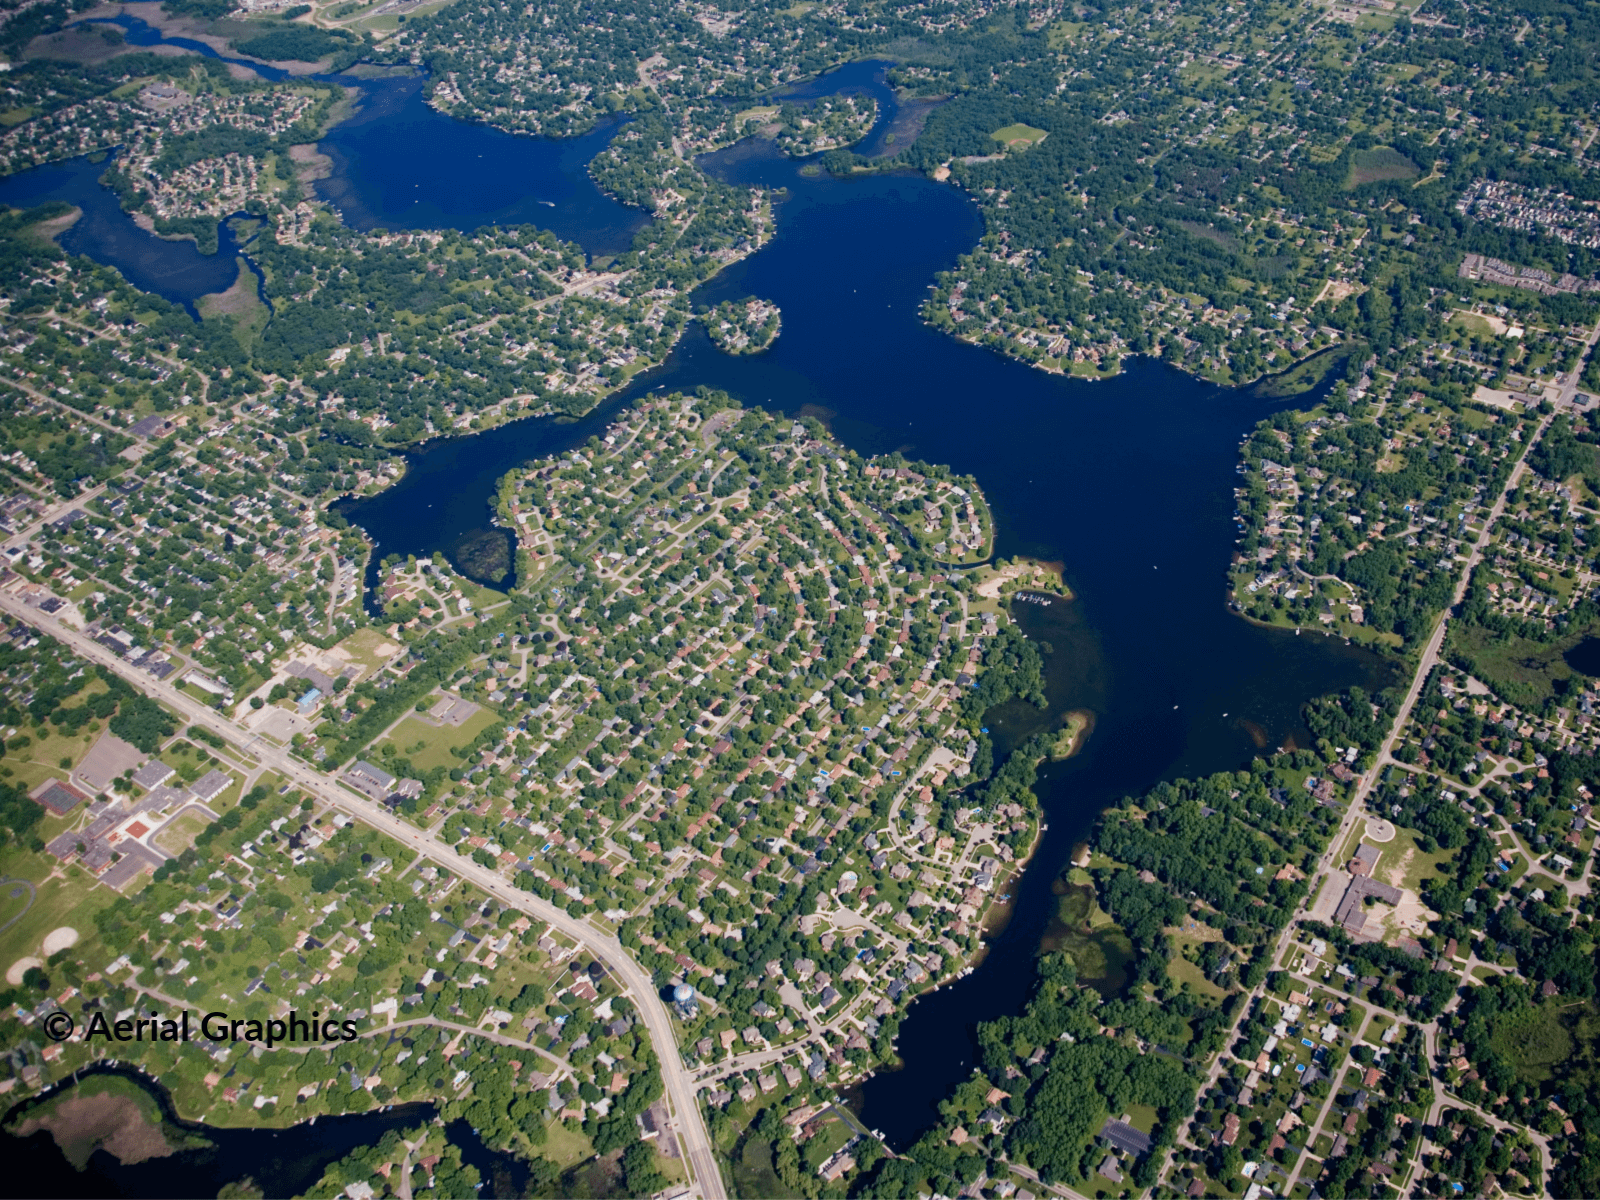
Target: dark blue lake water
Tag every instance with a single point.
(1127, 482)
(174, 270)
(401, 165)
(397, 164)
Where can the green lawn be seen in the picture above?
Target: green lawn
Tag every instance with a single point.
(179, 836)
(1142, 1117)
(1183, 971)
(72, 901)
(437, 742)
(42, 759)
(565, 1147)
(830, 1138)
(1026, 135)
(1417, 865)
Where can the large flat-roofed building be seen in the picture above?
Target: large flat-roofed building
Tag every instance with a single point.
(1365, 861)
(1124, 1137)
(1351, 912)
(374, 781)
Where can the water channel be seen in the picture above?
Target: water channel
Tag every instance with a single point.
(1127, 483)
(280, 1162)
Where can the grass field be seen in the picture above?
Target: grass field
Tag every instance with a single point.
(241, 305)
(481, 596)
(428, 747)
(753, 1173)
(179, 835)
(1062, 32)
(42, 760)
(1183, 971)
(11, 906)
(1379, 165)
(1200, 73)
(1414, 863)
(1019, 134)
(369, 648)
(1142, 1117)
(72, 901)
(1473, 323)
(763, 114)
(831, 1137)
(389, 22)
(1402, 862)
(565, 1147)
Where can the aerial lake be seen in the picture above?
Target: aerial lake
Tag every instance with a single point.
(172, 269)
(1127, 482)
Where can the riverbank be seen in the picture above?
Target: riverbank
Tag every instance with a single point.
(112, 1130)
(1374, 642)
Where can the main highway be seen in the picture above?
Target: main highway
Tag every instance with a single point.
(694, 1141)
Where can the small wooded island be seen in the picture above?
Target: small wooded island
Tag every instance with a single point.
(743, 326)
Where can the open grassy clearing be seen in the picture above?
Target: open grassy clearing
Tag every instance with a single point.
(369, 648)
(179, 835)
(1182, 970)
(1381, 164)
(429, 746)
(1019, 135)
(72, 900)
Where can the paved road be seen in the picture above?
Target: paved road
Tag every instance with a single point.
(53, 510)
(1430, 656)
(1430, 1033)
(697, 1150)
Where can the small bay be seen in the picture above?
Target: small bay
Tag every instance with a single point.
(171, 268)
(1127, 482)
(280, 1162)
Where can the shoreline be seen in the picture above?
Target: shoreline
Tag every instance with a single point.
(1265, 379)
(990, 924)
(1381, 649)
